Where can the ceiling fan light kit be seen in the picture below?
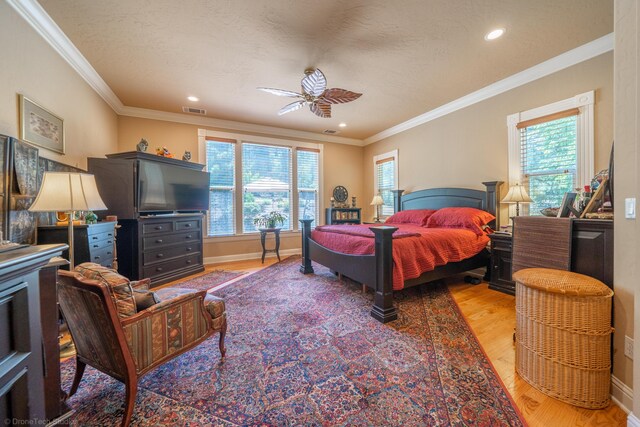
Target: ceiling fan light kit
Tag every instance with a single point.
(314, 94)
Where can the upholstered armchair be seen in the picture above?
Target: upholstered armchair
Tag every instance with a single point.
(111, 335)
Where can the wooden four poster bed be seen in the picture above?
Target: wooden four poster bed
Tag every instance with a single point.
(376, 270)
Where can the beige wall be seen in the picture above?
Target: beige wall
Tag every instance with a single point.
(627, 232)
(31, 67)
(469, 146)
(342, 165)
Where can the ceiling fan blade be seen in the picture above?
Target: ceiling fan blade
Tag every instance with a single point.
(315, 83)
(338, 96)
(291, 107)
(321, 109)
(280, 92)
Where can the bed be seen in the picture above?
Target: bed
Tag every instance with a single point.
(376, 270)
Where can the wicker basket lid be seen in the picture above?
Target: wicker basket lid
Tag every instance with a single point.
(561, 282)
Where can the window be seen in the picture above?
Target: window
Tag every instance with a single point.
(221, 162)
(551, 150)
(308, 184)
(385, 179)
(266, 177)
(270, 174)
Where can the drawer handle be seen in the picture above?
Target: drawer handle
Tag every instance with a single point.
(158, 227)
(189, 249)
(188, 236)
(158, 268)
(109, 253)
(96, 257)
(94, 237)
(110, 234)
(159, 255)
(188, 261)
(109, 242)
(96, 246)
(158, 240)
(187, 225)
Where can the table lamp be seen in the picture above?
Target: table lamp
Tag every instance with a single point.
(377, 202)
(517, 194)
(68, 192)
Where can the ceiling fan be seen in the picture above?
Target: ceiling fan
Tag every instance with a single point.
(314, 94)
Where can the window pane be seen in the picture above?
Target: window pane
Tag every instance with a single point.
(221, 165)
(549, 155)
(386, 178)
(266, 177)
(308, 177)
(221, 213)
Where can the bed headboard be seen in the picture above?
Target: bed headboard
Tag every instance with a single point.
(436, 198)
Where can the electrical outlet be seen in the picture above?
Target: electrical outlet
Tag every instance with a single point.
(628, 347)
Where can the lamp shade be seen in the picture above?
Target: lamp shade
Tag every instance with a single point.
(68, 191)
(517, 194)
(377, 200)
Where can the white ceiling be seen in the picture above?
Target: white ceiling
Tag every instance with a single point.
(406, 57)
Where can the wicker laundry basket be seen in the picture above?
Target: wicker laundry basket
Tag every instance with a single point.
(563, 335)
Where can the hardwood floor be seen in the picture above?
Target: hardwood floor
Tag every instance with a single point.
(491, 315)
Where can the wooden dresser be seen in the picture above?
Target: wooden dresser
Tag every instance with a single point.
(162, 248)
(591, 254)
(91, 242)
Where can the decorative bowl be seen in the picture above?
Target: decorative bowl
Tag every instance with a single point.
(550, 211)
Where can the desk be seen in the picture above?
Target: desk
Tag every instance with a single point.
(263, 238)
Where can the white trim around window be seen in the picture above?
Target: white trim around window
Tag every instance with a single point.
(204, 134)
(584, 102)
(380, 158)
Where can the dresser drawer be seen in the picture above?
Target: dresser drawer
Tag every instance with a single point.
(170, 239)
(102, 255)
(162, 255)
(157, 227)
(169, 266)
(188, 225)
(101, 244)
(97, 237)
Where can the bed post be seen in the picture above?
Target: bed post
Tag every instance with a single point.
(493, 201)
(397, 197)
(306, 267)
(383, 309)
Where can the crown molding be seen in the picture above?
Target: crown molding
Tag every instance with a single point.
(575, 56)
(37, 17)
(229, 125)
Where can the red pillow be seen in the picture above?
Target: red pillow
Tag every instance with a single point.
(413, 216)
(469, 218)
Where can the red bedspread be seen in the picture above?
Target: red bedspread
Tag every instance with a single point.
(421, 250)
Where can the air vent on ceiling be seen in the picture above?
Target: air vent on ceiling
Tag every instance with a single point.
(330, 131)
(194, 110)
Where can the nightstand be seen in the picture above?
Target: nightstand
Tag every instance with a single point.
(500, 274)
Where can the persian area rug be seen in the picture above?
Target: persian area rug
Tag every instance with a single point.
(304, 351)
(209, 280)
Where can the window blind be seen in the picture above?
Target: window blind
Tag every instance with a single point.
(308, 184)
(548, 158)
(221, 163)
(266, 180)
(385, 171)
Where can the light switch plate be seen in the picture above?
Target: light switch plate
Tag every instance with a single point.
(630, 207)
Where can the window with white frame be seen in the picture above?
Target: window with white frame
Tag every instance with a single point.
(551, 150)
(272, 175)
(385, 179)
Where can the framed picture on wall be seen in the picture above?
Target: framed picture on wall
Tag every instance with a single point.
(40, 127)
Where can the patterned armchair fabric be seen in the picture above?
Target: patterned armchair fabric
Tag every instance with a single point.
(128, 346)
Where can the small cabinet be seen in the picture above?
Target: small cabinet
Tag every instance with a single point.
(342, 216)
(91, 242)
(500, 264)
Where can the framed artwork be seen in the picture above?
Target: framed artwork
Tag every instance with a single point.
(40, 127)
(567, 205)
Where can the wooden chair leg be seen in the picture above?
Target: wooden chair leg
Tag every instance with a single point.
(77, 377)
(223, 332)
(131, 385)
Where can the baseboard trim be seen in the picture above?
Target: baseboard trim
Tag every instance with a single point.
(632, 420)
(621, 394)
(244, 257)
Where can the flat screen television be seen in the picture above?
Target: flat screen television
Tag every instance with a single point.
(168, 188)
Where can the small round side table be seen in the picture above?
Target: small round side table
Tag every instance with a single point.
(263, 238)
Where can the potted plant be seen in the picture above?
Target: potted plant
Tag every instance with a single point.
(269, 220)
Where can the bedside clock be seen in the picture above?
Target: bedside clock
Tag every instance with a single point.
(340, 194)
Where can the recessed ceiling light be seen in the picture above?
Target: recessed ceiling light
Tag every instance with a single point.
(343, 125)
(193, 98)
(492, 35)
